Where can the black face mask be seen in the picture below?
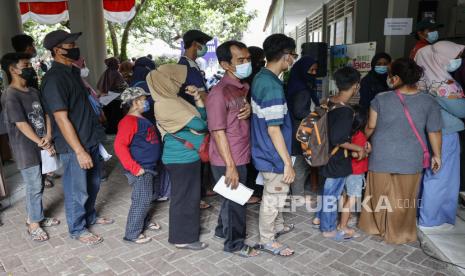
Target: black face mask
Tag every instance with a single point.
(28, 74)
(73, 53)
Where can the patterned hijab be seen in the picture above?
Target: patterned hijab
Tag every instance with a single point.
(434, 60)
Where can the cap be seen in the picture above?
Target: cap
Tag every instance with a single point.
(58, 37)
(427, 23)
(131, 94)
(196, 35)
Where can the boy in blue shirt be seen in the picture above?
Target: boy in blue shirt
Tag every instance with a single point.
(271, 141)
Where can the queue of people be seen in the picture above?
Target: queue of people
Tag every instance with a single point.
(400, 144)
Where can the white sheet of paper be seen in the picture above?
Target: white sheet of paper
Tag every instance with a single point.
(259, 180)
(240, 195)
(104, 153)
(49, 163)
(105, 100)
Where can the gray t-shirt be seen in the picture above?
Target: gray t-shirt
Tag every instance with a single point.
(396, 149)
(20, 106)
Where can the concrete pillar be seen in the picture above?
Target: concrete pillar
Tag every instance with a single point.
(10, 24)
(86, 16)
(396, 45)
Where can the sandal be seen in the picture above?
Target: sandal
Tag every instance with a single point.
(48, 183)
(287, 228)
(104, 221)
(247, 252)
(277, 251)
(88, 238)
(38, 234)
(316, 223)
(153, 226)
(49, 222)
(142, 239)
(341, 236)
(350, 232)
(204, 205)
(193, 246)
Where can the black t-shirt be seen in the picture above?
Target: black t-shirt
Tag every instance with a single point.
(25, 107)
(340, 122)
(63, 89)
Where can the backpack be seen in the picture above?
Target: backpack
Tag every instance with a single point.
(313, 135)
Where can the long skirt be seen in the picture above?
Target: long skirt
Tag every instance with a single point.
(390, 206)
(439, 195)
(184, 213)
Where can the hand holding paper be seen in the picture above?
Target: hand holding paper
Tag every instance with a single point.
(240, 195)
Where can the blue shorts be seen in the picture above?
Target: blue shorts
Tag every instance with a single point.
(354, 184)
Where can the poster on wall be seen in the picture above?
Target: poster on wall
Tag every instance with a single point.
(357, 56)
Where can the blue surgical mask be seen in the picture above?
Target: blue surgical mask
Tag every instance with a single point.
(381, 69)
(432, 37)
(203, 51)
(146, 106)
(453, 65)
(243, 70)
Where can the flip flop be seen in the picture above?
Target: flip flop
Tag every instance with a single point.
(290, 227)
(268, 248)
(49, 222)
(88, 235)
(341, 237)
(153, 226)
(246, 251)
(104, 221)
(38, 234)
(193, 246)
(142, 239)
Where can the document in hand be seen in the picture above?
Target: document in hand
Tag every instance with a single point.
(240, 195)
(104, 153)
(49, 163)
(105, 100)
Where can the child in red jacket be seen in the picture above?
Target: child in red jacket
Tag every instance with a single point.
(355, 182)
(138, 148)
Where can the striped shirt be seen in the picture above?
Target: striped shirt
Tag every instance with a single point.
(269, 108)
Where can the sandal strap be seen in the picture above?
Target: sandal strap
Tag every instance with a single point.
(47, 222)
(38, 234)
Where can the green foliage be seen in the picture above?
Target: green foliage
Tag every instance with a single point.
(166, 20)
(169, 19)
(165, 60)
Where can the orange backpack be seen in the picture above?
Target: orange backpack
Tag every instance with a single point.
(313, 135)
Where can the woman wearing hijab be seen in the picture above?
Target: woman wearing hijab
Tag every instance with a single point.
(112, 80)
(180, 123)
(126, 70)
(440, 191)
(375, 81)
(300, 95)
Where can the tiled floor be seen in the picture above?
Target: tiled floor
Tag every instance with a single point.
(314, 254)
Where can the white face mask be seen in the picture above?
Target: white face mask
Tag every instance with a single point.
(453, 65)
(84, 72)
(243, 70)
(389, 83)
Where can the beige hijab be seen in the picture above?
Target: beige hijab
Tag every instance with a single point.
(171, 112)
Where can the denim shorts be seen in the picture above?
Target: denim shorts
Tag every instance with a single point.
(354, 184)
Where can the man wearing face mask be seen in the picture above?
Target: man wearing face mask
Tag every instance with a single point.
(77, 134)
(195, 45)
(272, 140)
(426, 33)
(230, 147)
(23, 43)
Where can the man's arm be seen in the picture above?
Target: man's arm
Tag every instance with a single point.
(69, 133)
(27, 130)
(280, 146)
(222, 144)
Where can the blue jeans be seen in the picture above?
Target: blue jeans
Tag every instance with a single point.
(80, 188)
(34, 189)
(331, 194)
